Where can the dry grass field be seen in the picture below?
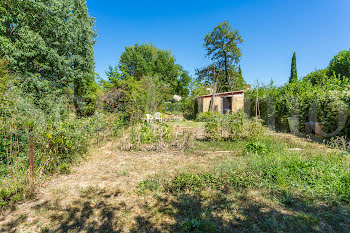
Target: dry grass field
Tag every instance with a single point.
(211, 187)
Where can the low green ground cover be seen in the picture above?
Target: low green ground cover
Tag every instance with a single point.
(306, 185)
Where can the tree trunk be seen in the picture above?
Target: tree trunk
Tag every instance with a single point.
(226, 72)
(213, 96)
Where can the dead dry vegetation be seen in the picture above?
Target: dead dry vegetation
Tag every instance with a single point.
(177, 191)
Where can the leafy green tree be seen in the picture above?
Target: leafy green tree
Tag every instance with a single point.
(293, 72)
(317, 77)
(125, 94)
(183, 84)
(222, 45)
(49, 46)
(146, 60)
(340, 65)
(207, 76)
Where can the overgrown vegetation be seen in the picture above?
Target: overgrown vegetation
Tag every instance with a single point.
(48, 93)
(233, 126)
(292, 180)
(156, 137)
(322, 96)
(144, 80)
(47, 90)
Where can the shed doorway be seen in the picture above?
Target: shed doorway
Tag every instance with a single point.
(226, 104)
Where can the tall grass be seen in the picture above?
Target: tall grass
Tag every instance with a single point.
(310, 173)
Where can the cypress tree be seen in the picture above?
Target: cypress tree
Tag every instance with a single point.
(240, 80)
(293, 72)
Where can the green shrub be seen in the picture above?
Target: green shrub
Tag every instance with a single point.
(256, 148)
(233, 126)
(58, 140)
(189, 181)
(198, 225)
(206, 116)
(149, 184)
(147, 133)
(320, 96)
(64, 168)
(340, 65)
(213, 127)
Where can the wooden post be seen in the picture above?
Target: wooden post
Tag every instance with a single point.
(214, 92)
(98, 137)
(31, 157)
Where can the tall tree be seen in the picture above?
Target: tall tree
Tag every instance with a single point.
(293, 71)
(240, 79)
(146, 60)
(49, 46)
(340, 65)
(240, 71)
(222, 45)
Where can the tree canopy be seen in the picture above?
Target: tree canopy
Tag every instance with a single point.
(144, 80)
(340, 65)
(222, 45)
(146, 60)
(49, 46)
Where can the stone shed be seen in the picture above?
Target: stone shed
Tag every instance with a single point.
(223, 102)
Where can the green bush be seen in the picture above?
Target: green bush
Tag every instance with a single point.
(146, 133)
(206, 116)
(317, 97)
(58, 141)
(340, 65)
(256, 148)
(232, 126)
(149, 184)
(64, 168)
(213, 127)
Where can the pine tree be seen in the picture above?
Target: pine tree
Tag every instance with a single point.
(293, 73)
(223, 47)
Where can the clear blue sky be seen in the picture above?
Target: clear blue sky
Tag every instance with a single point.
(272, 29)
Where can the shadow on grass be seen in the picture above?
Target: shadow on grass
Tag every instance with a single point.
(191, 212)
(84, 214)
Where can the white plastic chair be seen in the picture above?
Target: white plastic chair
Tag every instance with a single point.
(149, 117)
(158, 116)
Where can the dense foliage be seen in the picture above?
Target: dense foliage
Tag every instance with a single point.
(47, 84)
(340, 65)
(318, 97)
(222, 45)
(145, 79)
(49, 47)
(146, 60)
(231, 126)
